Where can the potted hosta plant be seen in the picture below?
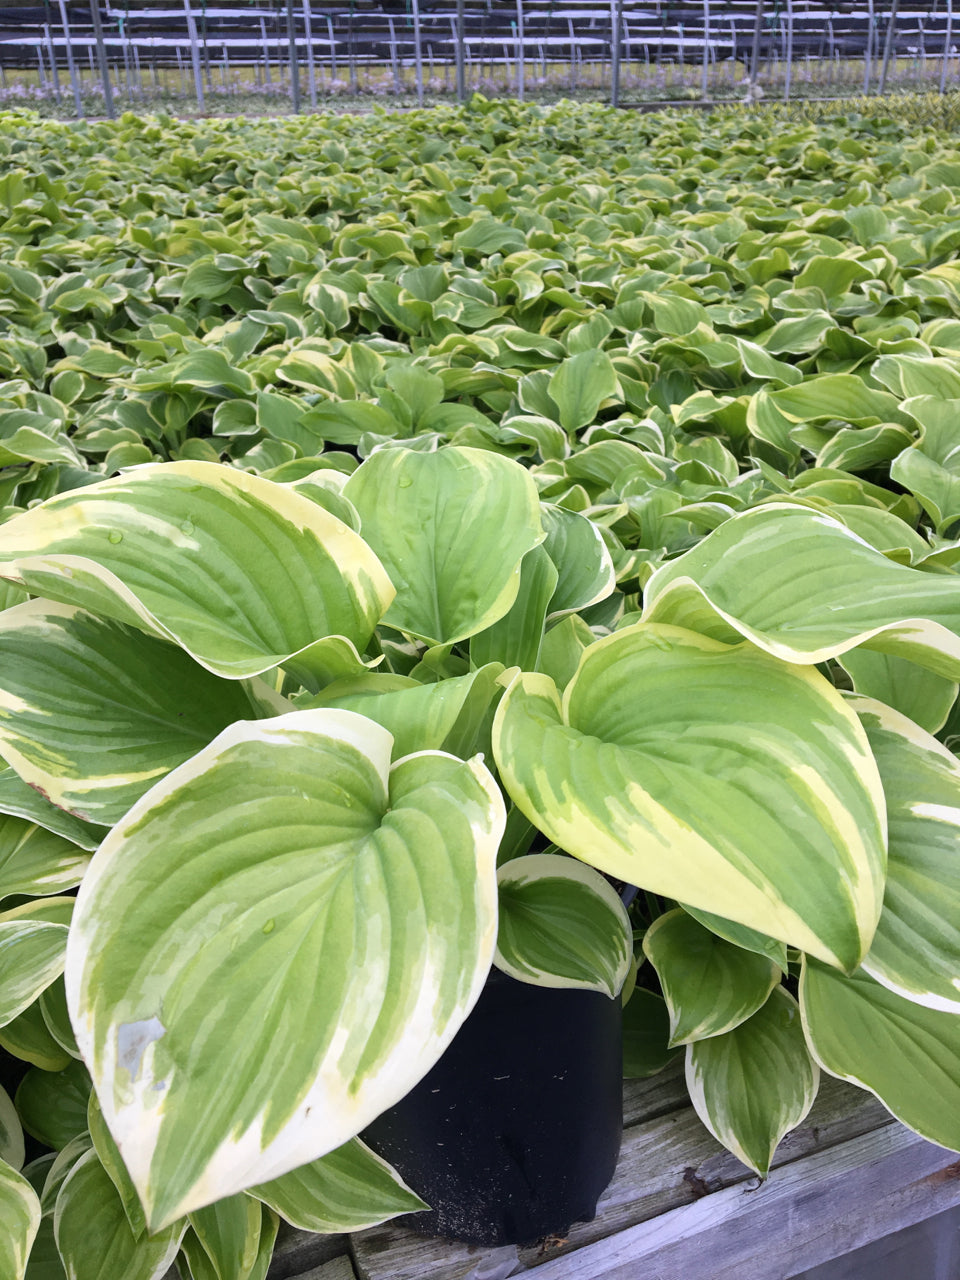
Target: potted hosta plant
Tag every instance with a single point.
(342, 742)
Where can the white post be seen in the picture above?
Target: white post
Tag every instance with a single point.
(194, 55)
(311, 64)
(71, 65)
(417, 51)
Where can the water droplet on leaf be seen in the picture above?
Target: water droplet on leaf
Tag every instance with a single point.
(269, 926)
(115, 536)
(187, 527)
(404, 482)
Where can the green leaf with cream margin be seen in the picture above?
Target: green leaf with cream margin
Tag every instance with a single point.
(710, 985)
(711, 774)
(20, 1218)
(562, 925)
(93, 712)
(905, 1054)
(252, 574)
(284, 868)
(350, 1189)
(37, 861)
(452, 528)
(803, 587)
(93, 1235)
(755, 1083)
(916, 949)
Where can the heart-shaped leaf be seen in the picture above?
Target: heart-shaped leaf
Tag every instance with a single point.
(708, 773)
(251, 576)
(289, 868)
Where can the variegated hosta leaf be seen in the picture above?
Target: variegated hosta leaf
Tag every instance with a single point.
(710, 985)
(286, 868)
(585, 570)
(19, 1221)
(59, 1169)
(755, 1083)
(28, 1039)
(740, 936)
(350, 1189)
(23, 801)
(646, 1035)
(446, 715)
(229, 1234)
(53, 1104)
(35, 860)
(93, 712)
(901, 1051)
(562, 925)
(711, 774)
(515, 639)
(32, 955)
(94, 1237)
(916, 692)
(916, 949)
(805, 588)
(12, 1150)
(53, 1011)
(451, 527)
(240, 572)
(195, 1263)
(109, 1157)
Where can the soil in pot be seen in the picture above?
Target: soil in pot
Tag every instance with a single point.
(515, 1133)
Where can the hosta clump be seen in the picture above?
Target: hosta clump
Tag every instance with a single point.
(337, 757)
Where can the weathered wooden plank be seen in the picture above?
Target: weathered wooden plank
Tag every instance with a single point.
(338, 1269)
(664, 1163)
(298, 1253)
(647, 1099)
(805, 1213)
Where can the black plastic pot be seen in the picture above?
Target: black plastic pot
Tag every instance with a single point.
(515, 1133)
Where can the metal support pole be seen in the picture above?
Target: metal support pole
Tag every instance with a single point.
(417, 50)
(616, 23)
(102, 59)
(946, 47)
(705, 68)
(294, 64)
(194, 55)
(71, 65)
(461, 68)
(333, 48)
(521, 53)
(266, 52)
(788, 74)
(868, 47)
(41, 68)
(755, 51)
(888, 44)
(53, 61)
(311, 63)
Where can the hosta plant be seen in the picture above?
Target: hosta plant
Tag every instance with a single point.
(319, 753)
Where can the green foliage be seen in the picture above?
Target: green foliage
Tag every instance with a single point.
(574, 493)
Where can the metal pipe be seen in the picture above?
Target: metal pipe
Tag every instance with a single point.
(755, 51)
(946, 46)
(417, 50)
(888, 44)
(53, 61)
(616, 19)
(868, 47)
(294, 64)
(461, 68)
(788, 76)
(71, 65)
(195, 55)
(102, 59)
(705, 69)
(311, 63)
(266, 52)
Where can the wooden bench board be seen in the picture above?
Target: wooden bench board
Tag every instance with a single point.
(680, 1207)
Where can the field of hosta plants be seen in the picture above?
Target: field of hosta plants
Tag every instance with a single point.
(393, 506)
